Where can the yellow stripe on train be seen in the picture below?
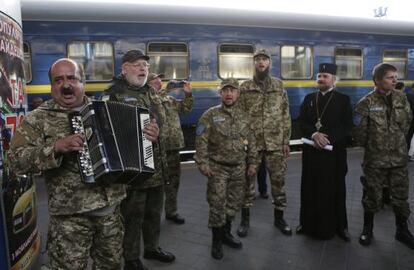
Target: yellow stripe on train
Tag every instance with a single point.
(93, 87)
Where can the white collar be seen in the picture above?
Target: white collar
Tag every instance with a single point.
(327, 91)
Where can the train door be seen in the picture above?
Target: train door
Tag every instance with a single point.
(19, 237)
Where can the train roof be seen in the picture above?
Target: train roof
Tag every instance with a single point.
(119, 11)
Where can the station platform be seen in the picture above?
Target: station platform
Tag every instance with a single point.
(265, 247)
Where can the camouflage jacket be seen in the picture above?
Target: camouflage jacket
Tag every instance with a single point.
(268, 108)
(381, 132)
(32, 150)
(174, 138)
(145, 97)
(223, 136)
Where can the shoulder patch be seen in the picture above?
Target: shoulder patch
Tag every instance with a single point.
(218, 119)
(130, 99)
(376, 109)
(200, 129)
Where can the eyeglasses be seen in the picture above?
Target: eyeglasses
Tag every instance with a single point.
(140, 65)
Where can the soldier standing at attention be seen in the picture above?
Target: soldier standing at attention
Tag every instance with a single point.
(223, 144)
(142, 207)
(84, 219)
(174, 141)
(267, 104)
(382, 119)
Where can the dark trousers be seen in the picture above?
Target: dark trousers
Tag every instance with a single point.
(141, 211)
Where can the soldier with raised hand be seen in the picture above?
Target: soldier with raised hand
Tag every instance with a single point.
(382, 119)
(142, 207)
(174, 141)
(224, 145)
(84, 219)
(266, 102)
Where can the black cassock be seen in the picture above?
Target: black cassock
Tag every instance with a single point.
(323, 191)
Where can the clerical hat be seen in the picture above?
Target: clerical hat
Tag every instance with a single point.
(327, 68)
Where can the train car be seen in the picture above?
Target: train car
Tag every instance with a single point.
(19, 237)
(204, 45)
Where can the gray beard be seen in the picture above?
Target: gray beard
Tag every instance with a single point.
(135, 82)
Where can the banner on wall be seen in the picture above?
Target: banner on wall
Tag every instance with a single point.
(18, 217)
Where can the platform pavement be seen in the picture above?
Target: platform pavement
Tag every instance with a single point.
(265, 247)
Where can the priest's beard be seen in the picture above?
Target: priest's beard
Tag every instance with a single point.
(261, 75)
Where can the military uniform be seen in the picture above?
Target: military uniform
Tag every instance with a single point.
(224, 143)
(89, 211)
(267, 105)
(174, 141)
(382, 123)
(143, 206)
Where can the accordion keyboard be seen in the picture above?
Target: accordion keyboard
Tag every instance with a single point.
(146, 144)
(83, 156)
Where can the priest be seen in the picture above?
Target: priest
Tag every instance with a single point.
(326, 120)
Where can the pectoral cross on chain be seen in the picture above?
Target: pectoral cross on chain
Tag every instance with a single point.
(318, 124)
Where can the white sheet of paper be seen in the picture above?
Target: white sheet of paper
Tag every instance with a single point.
(310, 142)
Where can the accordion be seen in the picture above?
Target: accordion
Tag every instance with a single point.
(115, 149)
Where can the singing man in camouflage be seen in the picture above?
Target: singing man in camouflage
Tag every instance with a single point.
(223, 147)
(382, 119)
(267, 104)
(84, 219)
(174, 141)
(142, 207)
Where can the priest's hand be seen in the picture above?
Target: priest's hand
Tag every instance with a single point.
(320, 139)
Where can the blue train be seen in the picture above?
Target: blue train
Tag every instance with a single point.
(204, 45)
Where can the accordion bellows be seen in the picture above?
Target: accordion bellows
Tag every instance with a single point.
(115, 148)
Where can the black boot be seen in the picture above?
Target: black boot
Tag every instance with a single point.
(403, 234)
(228, 238)
(366, 236)
(281, 224)
(217, 247)
(244, 223)
(134, 265)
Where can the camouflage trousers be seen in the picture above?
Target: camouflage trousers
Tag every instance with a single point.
(141, 210)
(73, 238)
(225, 192)
(397, 178)
(171, 187)
(276, 166)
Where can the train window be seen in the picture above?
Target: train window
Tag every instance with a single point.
(235, 61)
(171, 59)
(398, 58)
(27, 62)
(296, 62)
(349, 62)
(96, 57)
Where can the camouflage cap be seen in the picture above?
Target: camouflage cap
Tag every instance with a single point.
(229, 82)
(153, 76)
(262, 52)
(133, 55)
